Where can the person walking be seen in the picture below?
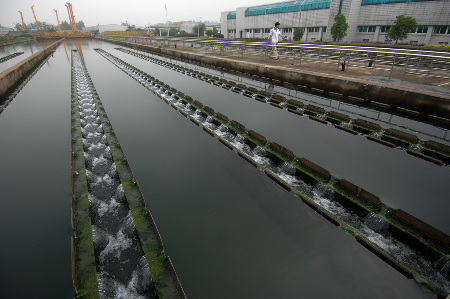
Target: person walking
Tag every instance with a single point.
(273, 40)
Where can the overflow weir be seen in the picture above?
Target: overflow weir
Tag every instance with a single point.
(411, 246)
(117, 249)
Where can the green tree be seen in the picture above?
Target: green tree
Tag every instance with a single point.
(209, 32)
(402, 26)
(65, 25)
(298, 33)
(202, 29)
(173, 31)
(156, 32)
(80, 25)
(18, 27)
(339, 28)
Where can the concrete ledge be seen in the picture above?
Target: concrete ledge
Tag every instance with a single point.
(277, 180)
(340, 116)
(425, 157)
(276, 105)
(316, 109)
(247, 159)
(14, 74)
(209, 110)
(257, 136)
(222, 117)
(208, 131)
(194, 121)
(316, 168)
(318, 119)
(384, 257)
(389, 144)
(238, 125)
(319, 210)
(299, 104)
(438, 146)
(421, 226)
(295, 111)
(367, 124)
(282, 150)
(224, 142)
(402, 135)
(346, 129)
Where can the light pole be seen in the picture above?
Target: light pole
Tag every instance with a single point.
(200, 19)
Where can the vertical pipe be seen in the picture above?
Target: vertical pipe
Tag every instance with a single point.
(392, 68)
(406, 66)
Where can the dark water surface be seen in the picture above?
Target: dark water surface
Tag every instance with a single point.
(35, 186)
(400, 180)
(230, 230)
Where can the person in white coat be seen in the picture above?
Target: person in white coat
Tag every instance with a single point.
(273, 40)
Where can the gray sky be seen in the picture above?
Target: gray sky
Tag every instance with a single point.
(138, 12)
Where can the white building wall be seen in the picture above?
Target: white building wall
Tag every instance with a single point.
(428, 13)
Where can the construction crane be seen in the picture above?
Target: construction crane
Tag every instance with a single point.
(71, 16)
(37, 25)
(23, 24)
(57, 20)
(70, 19)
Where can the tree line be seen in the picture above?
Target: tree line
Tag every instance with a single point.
(48, 27)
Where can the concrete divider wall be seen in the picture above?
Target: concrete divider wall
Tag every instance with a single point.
(14, 74)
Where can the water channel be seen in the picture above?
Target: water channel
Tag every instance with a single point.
(229, 229)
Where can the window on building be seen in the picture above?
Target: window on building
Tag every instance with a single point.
(363, 28)
(248, 30)
(422, 29)
(310, 29)
(287, 30)
(316, 29)
(257, 30)
(324, 29)
(366, 40)
(372, 28)
(266, 30)
(414, 42)
(440, 29)
(385, 28)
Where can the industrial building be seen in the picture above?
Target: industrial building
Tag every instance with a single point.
(368, 20)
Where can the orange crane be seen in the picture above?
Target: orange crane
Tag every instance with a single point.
(71, 16)
(70, 19)
(23, 24)
(37, 25)
(57, 20)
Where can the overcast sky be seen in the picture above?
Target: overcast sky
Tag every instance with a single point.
(137, 12)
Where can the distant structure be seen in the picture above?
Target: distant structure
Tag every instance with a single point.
(368, 20)
(189, 26)
(99, 29)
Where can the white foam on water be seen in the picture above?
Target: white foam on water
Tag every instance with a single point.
(116, 244)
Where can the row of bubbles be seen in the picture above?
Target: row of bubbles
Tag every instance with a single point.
(123, 270)
(370, 226)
